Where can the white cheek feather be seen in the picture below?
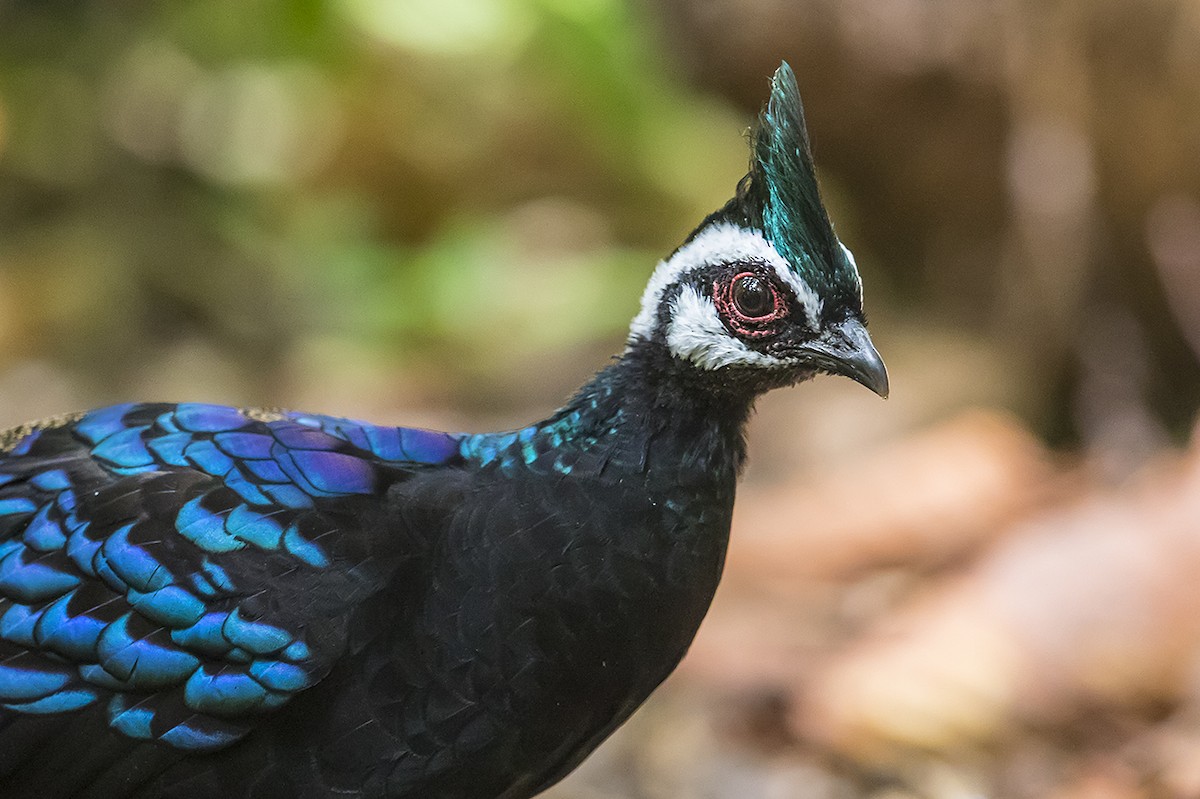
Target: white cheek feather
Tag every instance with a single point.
(721, 243)
(696, 334)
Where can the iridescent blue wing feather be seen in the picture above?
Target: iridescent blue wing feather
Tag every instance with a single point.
(187, 568)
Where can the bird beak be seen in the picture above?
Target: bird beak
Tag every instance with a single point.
(846, 349)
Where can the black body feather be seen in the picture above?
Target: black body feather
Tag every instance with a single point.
(477, 632)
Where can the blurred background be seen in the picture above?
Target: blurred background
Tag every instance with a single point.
(442, 213)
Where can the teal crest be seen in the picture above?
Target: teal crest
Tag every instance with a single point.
(780, 197)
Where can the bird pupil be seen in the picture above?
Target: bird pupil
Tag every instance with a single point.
(752, 296)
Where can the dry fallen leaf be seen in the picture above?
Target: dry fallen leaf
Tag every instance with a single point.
(1091, 604)
(937, 494)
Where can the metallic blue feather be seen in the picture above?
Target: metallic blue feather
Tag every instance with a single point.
(111, 599)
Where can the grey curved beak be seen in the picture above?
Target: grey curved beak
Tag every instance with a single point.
(846, 349)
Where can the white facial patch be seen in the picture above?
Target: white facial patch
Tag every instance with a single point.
(697, 334)
(722, 243)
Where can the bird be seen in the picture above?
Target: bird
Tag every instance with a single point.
(206, 601)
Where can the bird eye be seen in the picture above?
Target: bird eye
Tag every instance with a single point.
(753, 297)
(751, 305)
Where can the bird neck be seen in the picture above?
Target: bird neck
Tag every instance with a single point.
(647, 413)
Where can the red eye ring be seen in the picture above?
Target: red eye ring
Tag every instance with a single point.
(750, 304)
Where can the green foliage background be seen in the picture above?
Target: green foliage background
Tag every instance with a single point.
(373, 206)
(307, 188)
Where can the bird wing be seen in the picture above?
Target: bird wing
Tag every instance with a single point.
(186, 567)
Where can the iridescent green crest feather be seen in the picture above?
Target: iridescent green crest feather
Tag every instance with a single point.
(780, 197)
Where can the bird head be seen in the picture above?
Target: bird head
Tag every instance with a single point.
(763, 292)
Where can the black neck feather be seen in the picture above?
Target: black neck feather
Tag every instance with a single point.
(653, 414)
